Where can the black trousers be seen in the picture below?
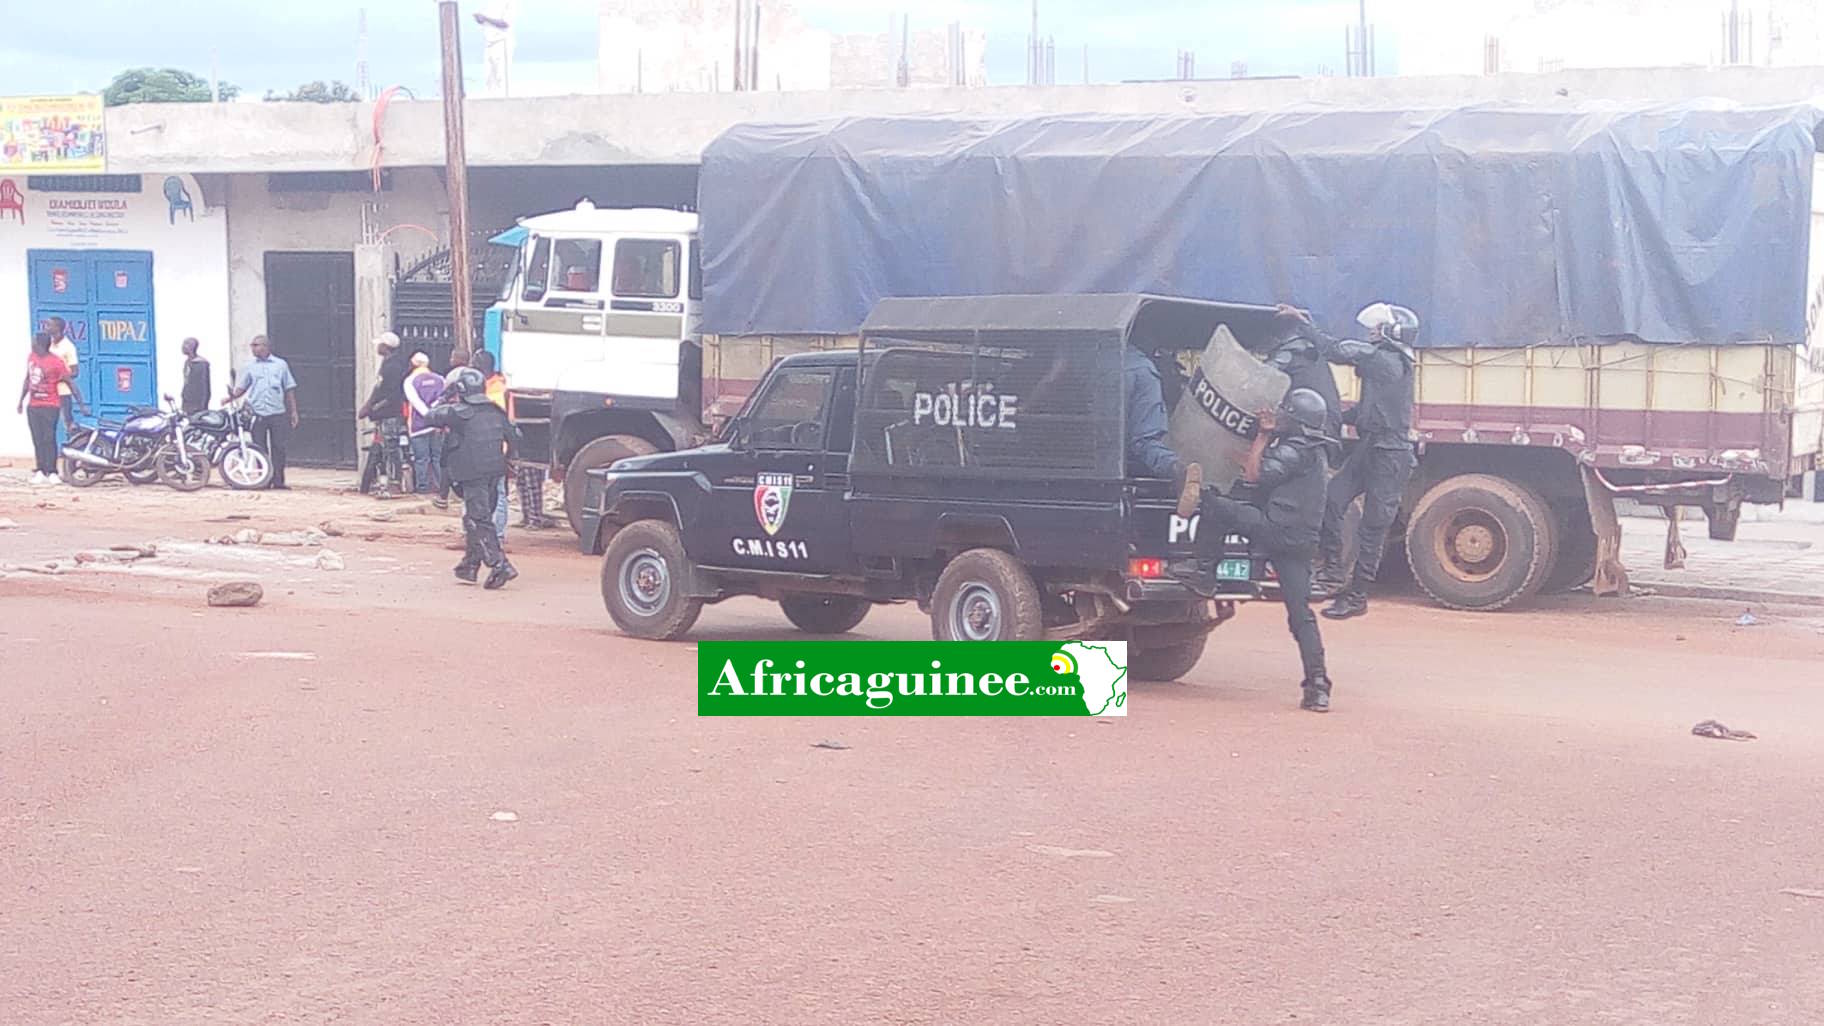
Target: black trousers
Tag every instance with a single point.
(1291, 559)
(271, 433)
(1379, 476)
(43, 422)
(479, 497)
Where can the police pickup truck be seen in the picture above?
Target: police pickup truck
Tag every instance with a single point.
(968, 456)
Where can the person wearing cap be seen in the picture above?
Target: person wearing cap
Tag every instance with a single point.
(422, 388)
(386, 405)
(477, 451)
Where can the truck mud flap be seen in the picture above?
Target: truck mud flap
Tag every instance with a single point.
(1611, 577)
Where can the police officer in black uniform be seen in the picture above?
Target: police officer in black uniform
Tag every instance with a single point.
(1380, 464)
(475, 455)
(1298, 351)
(1287, 467)
(1146, 453)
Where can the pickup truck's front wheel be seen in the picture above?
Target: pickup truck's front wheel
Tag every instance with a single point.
(825, 614)
(986, 595)
(644, 573)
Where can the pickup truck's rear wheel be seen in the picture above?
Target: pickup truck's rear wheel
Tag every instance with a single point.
(1481, 542)
(644, 577)
(600, 452)
(1165, 662)
(986, 595)
(825, 614)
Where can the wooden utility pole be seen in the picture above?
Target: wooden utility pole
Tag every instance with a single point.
(456, 176)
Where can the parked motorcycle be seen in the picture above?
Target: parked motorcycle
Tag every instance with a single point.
(226, 439)
(109, 447)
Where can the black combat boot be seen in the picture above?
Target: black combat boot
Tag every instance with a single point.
(499, 576)
(1350, 603)
(1317, 694)
(1328, 582)
(467, 571)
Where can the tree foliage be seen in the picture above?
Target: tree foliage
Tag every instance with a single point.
(316, 92)
(161, 85)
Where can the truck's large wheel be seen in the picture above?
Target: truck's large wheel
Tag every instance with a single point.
(644, 579)
(598, 453)
(825, 614)
(1576, 562)
(1165, 662)
(1481, 542)
(986, 595)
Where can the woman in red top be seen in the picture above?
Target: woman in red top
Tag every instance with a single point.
(39, 402)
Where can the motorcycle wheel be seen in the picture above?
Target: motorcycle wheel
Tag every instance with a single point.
(77, 475)
(136, 455)
(245, 467)
(171, 472)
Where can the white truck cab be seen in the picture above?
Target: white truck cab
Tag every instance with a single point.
(596, 332)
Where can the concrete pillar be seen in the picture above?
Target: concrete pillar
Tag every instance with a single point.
(373, 318)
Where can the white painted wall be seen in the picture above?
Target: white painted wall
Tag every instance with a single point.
(189, 281)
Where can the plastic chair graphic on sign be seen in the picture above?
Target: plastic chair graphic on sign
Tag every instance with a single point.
(178, 198)
(11, 199)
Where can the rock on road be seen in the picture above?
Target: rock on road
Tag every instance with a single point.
(293, 813)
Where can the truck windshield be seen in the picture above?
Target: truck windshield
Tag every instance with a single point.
(790, 414)
(646, 268)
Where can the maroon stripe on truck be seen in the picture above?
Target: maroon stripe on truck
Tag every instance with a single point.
(1750, 443)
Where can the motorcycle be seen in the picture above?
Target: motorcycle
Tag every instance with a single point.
(130, 449)
(225, 437)
(386, 466)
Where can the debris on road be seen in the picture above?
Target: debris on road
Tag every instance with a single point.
(117, 554)
(835, 746)
(1711, 728)
(330, 559)
(331, 529)
(7, 524)
(1802, 892)
(1747, 619)
(503, 816)
(236, 594)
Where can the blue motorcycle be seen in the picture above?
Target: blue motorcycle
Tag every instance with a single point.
(150, 445)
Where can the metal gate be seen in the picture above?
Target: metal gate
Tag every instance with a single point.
(424, 310)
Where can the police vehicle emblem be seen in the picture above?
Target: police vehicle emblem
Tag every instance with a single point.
(772, 497)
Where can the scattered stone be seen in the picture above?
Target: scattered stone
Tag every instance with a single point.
(1069, 853)
(245, 536)
(503, 816)
(292, 539)
(1747, 619)
(146, 551)
(107, 556)
(330, 559)
(383, 515)
(1722, 732)
(1802, 892)
(236, 593)
(836, 746)
(7, 524)
(372, 536)
(331, 529)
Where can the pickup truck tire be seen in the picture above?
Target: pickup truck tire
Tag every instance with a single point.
(825, 614)
(1481, 542)
(644, 573)
(1576, 562)
(986, 595)
(1165, 662)
(599, 452)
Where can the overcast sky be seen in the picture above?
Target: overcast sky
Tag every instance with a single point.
(74, 45)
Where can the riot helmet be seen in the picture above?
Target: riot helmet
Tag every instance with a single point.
(467, 385)
(1305, 411)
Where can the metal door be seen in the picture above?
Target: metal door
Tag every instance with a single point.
(105, 299)
(310, 322)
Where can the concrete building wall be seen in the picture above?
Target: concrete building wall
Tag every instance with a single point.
(673, 128)
(189, 277)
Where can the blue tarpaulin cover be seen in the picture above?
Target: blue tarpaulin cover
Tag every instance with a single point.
(1501, 226)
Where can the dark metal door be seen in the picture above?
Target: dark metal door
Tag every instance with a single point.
(310, 321)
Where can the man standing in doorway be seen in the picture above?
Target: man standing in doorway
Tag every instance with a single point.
(195, 397)
(65, 350)
(272, 397)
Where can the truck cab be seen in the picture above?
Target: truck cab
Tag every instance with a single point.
(596, 331)
(968, 456)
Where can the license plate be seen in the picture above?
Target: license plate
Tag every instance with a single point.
(1235, 570)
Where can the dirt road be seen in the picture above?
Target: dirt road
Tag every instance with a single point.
(289, 813)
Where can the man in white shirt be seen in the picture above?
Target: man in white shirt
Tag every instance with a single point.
(65, 350)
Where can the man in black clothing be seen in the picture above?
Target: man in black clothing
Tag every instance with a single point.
(386, 404)
(1298, 352)
(1286, 468)
(1381, 462)
(195, 396)
(476, 452)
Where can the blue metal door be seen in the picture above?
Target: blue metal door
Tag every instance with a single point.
(105, 296)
